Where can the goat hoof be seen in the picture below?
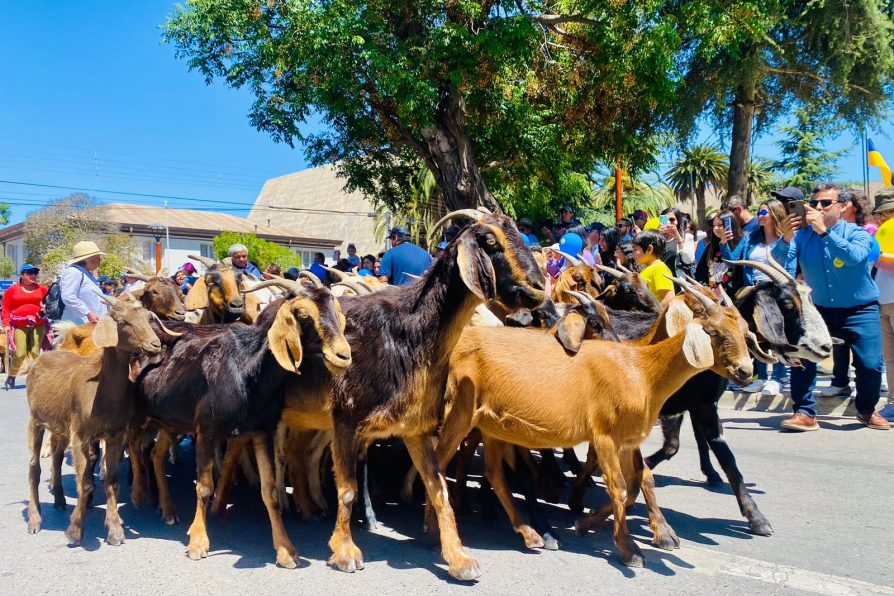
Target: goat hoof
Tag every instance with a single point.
(198, 548)
(760, 525)
(550, 542)
(170, 520)
(115, 537)
(34, 526)
(532, 538)
(286, 558)
(666, 542)
(713, 479)
(634, 559)
(349, 559)
(60, 504)
(74, 535)
(465, 569)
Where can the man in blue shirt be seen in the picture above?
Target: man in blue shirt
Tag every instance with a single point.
(833, 255)
(318, 267)
(238, 254)
(403, 258)
(746, 218)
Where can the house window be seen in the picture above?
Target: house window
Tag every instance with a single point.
(207, 250)
(147, 247)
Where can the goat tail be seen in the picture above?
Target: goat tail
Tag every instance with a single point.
(61, 329)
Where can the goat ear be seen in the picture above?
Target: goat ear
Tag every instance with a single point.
(198, 295)
(769, 321)
(570, 333)
(475, 268)
(284, 339)
(697, 347)
(138, 293)
(676, 318)
(105, 334)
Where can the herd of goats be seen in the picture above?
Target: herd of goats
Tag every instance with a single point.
(289, 370)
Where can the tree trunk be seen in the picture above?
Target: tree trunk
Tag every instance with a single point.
(450, 154)
(740, 151)
(700, 205)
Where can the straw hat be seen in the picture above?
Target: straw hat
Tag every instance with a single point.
(84, 250)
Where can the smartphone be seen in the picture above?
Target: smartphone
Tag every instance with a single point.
(797, 207)
(728, 224)
(663, 219)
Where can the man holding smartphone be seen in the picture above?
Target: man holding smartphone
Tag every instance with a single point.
(833, 256)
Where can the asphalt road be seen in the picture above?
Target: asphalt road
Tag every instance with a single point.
(829, 495)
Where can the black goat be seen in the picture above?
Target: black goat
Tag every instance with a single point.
(223, 381)
(401, 339)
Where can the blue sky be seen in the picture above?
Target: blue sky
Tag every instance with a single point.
(90, 98)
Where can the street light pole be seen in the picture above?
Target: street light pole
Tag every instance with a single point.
(157, 230)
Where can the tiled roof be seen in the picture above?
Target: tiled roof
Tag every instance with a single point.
(316, 203)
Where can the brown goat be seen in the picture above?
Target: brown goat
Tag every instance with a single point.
(83, 399)
(608, 394)
(217, 293)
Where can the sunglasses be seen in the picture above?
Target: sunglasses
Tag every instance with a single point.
(763, 213)
(31, 272)
(622, 225)
(825, 203)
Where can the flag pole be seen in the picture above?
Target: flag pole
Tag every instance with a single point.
(865, 164)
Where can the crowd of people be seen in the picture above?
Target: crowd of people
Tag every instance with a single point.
(827, 241)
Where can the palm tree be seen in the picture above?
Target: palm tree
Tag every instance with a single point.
(700, 167)
(761, 179)
(639, 192)
(419, 214)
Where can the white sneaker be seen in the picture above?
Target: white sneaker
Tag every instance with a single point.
(754, 387)
(887, 412)
(772, 388)
(833, 391)
(884, 388)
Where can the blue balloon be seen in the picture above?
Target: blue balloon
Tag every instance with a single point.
(571, 244)
(875, 252)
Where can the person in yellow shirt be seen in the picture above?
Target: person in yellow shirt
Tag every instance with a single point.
(648, 247)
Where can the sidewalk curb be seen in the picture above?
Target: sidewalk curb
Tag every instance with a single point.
(782, 404)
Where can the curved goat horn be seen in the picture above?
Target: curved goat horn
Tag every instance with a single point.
(203, 260)
(768, 270)
(337, 273)
(624, 269)
(584, 299)
(108, 298)
(286, 284)
(758, 352)
(136, 275)
(707, 302)
(162, 325)
(724, 297)
(573, 260)
(358, 289)
(470, 214)
(775, 264)
(309, 275)
(610, 270)
(484, 209)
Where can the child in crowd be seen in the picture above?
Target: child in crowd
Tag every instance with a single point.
(648, 248)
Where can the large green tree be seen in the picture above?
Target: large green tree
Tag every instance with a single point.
(802, 155)
(832, 56)
(492, 96)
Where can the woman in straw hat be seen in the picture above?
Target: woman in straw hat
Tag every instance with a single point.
(79, 287)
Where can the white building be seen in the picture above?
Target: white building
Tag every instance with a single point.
(190, 232)
(315, 199)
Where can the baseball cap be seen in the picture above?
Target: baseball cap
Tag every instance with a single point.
(789, 193)
(443, 245)
(596, 227)
(28, 267)
(884, 200)
(566, 208)
(399, 231)
(525, 222)
(639, 214)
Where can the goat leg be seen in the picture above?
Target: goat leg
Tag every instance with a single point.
(286, 554)
(35, 438)
(525, 476)
(365, 518)
(198, 532)
(670, 428)
(345, 554)
(551, 476)
(279, 466)
(235, 448)
(114, 449)
(707, 421)
(248, 470)
(498, 455)
(613, 473)
(571, 460)
(315, 452)
(59, 444)
(138, 489)
(704, 459)
(663, 535)
(84, 478)
(460, 565)
(296, 462)
(168, 508)
(583, 481)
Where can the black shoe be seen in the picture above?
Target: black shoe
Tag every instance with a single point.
(10, 383)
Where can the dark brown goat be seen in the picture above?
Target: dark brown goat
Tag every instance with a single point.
(84, 399)
(223, 381)
(401, 339)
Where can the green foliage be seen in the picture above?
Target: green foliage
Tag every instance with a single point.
(4, 213)
(638, 192)
(699, 168)
(260, 252)
(761, 179)
(534, 93)
(7, 267)
(802, 156)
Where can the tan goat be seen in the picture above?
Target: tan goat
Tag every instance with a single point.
(608, 394)
(83, 399)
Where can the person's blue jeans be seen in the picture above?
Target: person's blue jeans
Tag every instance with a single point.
(841, 365)
(778, 374)
(860, 328)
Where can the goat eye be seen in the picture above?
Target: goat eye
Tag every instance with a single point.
(491, 241)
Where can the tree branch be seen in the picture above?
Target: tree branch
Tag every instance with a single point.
(552, 20)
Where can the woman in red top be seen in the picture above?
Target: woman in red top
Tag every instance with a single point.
(23, 318)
